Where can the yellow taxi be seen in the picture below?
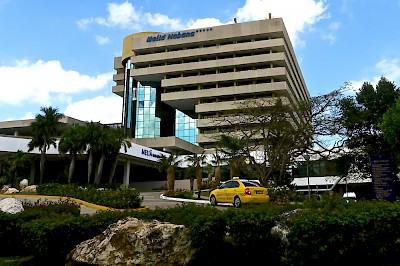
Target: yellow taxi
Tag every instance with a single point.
(236, 192)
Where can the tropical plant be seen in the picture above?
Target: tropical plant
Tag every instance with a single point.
(15, 162)
(233, 152)
(92, 132)
(101, 146)
(118, 139)
(168, 164)
(216, 160)
(44, 131)
(73, 142)
(196, 162)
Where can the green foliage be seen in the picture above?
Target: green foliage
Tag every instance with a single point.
(361, 232)
(124, 198)
(283, 194)
(11, 235)
(44, 131)
(325, 232)
(179, 193)
(362, 114)
(14, 164)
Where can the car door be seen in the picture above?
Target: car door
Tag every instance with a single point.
(232, 191)
(221, 192)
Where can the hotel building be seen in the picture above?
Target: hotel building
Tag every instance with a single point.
(182, 81)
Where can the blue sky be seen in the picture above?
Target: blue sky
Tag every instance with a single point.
(60, 53)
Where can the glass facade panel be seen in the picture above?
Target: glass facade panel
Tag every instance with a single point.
(148, 125)
(185, 127)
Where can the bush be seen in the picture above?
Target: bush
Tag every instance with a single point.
(361, 232)
(283, 194)
(123, 198)
(179, 193)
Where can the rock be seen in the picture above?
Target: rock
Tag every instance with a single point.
(11, 190)
(281, 230)
(135, 242)
(5, 188)
(11, 205)
(31, 188)
(23, 184)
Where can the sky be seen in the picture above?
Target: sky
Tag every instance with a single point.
(61, 53)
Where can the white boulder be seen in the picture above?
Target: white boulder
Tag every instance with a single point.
(23, 184)
(31, 188)
(135, 242)
(11, 190)
(5, 188)
(11, 205)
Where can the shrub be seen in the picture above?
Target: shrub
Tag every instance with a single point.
(360, 232)
(283, 194)
(179, 193)
(123, 198)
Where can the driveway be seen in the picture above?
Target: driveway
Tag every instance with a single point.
(151, 200)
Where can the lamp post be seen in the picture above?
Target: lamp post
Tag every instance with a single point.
(307, 157)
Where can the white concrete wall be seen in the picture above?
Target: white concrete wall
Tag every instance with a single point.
(150, 185)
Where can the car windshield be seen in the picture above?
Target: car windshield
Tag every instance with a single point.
(249, 184)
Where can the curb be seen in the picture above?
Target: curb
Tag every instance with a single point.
(79, 201)
(184, 200)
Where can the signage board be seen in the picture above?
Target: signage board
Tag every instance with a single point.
(382, 177)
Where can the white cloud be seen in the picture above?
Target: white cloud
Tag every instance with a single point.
(103, 109)
(204, 22)
(162, 20)
(126, 15)
(38, 82)
(389, 69)
(335, 25)
(298, 15)
(329, 37)
(102, 40)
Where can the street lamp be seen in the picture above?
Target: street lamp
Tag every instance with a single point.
(307, 157)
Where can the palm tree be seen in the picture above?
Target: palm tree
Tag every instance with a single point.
(44, 132)
(92, 132)
(72, 141)
(216, 160)
(101, 146)
(119, 138)
(15, 162)
(233, 150)
(196, 161)
(168, 164)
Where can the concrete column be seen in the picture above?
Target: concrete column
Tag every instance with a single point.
(127, 170)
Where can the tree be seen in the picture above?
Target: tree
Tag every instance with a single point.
(363, 113)
(368, 118)
(216, 160)
(277, 132)
(101, 146)
(73, 142)
(44, 131)
(390, 127)
(196, 162)
(268, 134)
(15, 162)
(168, 164)
(232, 150)
(118, 139)
(92, 133)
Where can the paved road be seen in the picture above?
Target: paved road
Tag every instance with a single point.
(152, 200)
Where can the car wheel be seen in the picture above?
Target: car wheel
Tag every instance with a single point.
(237, 202)
(213, 201)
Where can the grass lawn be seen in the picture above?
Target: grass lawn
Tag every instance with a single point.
(14, 261)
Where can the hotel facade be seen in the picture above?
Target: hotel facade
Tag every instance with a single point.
(175, 85)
